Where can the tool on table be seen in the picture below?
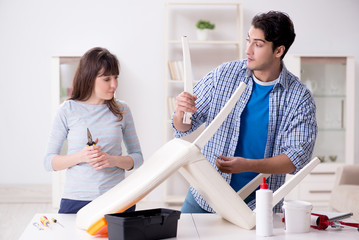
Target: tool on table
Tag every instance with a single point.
(323, 222)
(55, 221)
(37, 225)
(45, 221)
(340, 217)
(90, 142)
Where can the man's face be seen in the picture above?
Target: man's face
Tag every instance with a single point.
(259, 52)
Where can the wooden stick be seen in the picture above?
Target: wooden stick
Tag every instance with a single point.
(294, 181)
(219, 119)
(187, 76)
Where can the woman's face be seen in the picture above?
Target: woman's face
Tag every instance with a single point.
(105, 87)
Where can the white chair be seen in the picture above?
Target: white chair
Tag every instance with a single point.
(345, 194)
(186, 157)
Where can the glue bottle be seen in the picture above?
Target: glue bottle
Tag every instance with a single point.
(264, 213)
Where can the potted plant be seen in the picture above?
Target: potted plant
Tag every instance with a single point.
(202, 29)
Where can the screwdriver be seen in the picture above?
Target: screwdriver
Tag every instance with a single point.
(45, 221)
(37, 225)
(55, 221)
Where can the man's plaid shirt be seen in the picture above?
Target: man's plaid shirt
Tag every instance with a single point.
(292, 126)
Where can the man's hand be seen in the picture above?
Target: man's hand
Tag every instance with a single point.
(280, 164)
(231, 164)
(185, 102)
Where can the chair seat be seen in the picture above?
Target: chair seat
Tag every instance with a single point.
(345, 198)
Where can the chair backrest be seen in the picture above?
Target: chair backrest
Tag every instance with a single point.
(347, 175)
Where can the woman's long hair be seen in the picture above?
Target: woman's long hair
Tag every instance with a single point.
(91, 63)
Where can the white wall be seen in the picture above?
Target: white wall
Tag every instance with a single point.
(33, 31)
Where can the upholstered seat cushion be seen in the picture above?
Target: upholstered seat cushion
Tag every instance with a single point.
(345, 198)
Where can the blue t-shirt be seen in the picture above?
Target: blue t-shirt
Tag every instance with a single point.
(253, 132)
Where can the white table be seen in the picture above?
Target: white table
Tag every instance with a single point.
(190, 226)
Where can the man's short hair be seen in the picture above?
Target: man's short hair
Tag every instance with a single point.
(277, 27)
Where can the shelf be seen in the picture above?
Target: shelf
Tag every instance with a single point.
(326, 168)
(236, 43)
(223, 44)
(63, 70)
(329, 95)
(204, 3)
(324, 60)
(170, 81)
(332, 129)
(332, 80)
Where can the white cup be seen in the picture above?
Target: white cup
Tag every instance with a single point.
(297, 216)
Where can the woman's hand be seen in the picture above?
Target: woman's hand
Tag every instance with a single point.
(90, 153)
(100, 160)
(106, 160)
(103, 161)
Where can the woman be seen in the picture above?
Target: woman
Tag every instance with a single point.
(93, 170)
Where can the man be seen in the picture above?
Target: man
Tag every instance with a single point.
(272, 128)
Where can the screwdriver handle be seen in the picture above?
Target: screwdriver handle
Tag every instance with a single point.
(45, 221)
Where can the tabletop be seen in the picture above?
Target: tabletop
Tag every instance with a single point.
(190, 226)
